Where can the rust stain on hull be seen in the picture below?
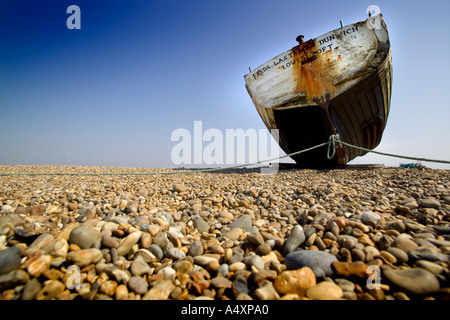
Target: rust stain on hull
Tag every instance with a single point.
(308, 74)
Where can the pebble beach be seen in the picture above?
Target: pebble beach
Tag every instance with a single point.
(380, 234)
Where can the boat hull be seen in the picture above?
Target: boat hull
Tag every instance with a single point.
(343, 87)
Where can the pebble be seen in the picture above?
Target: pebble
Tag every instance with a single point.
(140, 267)
(239, 286)
(221, 282)
(233, 234)
(109, 242)
(39, 265)
(429, 203)
(183, 267)
(255, 238)
(395, 225)
(400, 255)
(298, 234)
(371, 218)
(127, 243)
(263, 249)
(108, 287)
(348, 269)
(318, 261)
(174, 253)
(266, 292)
(203, 260)
(13, 278)
(84, 237)
(415, 280)
(146, 240)
(405, 242)
(40, 242)
(325, 290)
(196, 249)
(160, 239)
(121, 276)
(121, 292)
(434, 268)
(156, 251)
(9, 259)
(424, 253)
(138, 285)
(296, 238)
(179, 188)
(257, 262)
(295, 281)
(243, 222)
(237, 266)
(31, 289)
(388, 257)
(84, 257)
(160, 290)
(51, 290)
(345, 284)
(201, 225)
(370, 253)
(60, 248)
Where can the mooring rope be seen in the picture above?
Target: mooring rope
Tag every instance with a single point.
(336, 139)
(331, 143)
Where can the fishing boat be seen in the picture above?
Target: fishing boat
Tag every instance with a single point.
(338, 83)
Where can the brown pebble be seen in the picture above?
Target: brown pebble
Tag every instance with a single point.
(50, 290)
(263, 249)
(38, 266)
(325, 290)
(121, 292)
(348, 269)
(109, 288)
(295, 281)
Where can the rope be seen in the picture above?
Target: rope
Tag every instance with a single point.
(332, 146)
(331, 151)
(391, 154)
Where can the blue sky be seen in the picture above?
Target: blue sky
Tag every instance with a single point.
(112, 93)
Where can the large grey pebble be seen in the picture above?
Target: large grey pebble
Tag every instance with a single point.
(31, 289)
(428, 254)
(416, 280)
(139, 267)
(175, 253)
(121, 276)
(296, 238)
(318, 261)
(256, 238)
(442, 229)
(138, 285)
(168, 217)
(157, 251)
(160, 239)
(405, 242)
(244, 222)
(429, 203)
(196, 249)
(9, 259)
(223, 269)
(13, 278)
(85, 237)
(371, 218)
(201, 225)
